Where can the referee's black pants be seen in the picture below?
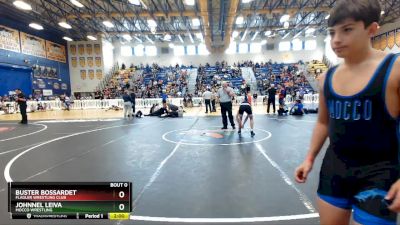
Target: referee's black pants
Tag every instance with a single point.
(227, 107)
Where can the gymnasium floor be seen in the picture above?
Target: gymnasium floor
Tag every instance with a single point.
(184, 170)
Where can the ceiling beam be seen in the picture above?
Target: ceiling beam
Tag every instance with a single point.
(203, 5)
(184, 31)
(141, 14)
(229, 24)
(290, 11)
(245, 12)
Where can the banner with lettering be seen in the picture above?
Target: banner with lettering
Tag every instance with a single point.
(81, 49)
(391, 39)
(97, 49)
(98, 61)
(383, 42)
(99, 74)
(83, 74)
(56, 52)
(82, 61)
(32, 45)
(376, 42)
(74, 62)
(89, 49)
(90, 61)
(72, 49)
(9, 39)
(91, 74)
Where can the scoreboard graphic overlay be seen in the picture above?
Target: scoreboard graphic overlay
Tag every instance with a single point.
(66, 200)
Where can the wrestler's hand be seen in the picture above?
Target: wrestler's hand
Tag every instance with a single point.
(302, 171)
(394, 196)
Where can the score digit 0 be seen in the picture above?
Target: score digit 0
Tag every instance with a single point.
(121, 194)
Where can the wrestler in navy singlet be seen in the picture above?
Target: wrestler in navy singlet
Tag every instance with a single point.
(362, 160)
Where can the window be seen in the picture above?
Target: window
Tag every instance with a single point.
(231, 49)
(203, 49)
(310, 45)
(284, 46)
(243, 48)
(255, 48)
(126, 50)
(139, 50)
(191, 50)
(297, 45)
(151, 50)
(179, 50)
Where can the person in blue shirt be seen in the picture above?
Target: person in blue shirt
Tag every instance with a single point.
(164, 97)
(297, 109)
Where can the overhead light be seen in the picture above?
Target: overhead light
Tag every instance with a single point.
(153, 30)
(108, 24)
(298, 34)
(254, 36)
(286, 25)
(244, 35)
(327, 16)
(246, 1)
(138, 39)
(191, 38)
(231, 48)
(180, 38)
(239, 20)
(171, 45)
(167, 37)
(36, 26)
(77, 3)
(65, 25)
(328, 38)
(382, 12)
(310, 30)
(126, 25)
(235, 34)
(151, 23)
(22, 5)
(127, 37)
(189, 2)
(135, 2)
(286, 35)
(199, 35)
(151, 41)
(140, 46)
(284, 18)
(67, 39)
(90, 37)
(268, 32)
(263, 42)
(195, 22)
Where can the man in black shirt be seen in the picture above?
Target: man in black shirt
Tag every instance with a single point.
(133, 101)
(21, 100)
(271, 97)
